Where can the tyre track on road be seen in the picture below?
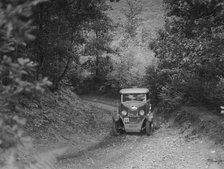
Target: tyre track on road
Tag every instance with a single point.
(166, 149)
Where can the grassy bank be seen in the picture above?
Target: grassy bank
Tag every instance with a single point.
(63, 119)
(199, 122)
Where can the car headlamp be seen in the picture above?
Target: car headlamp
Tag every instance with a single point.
(141, 112)
(124, 113)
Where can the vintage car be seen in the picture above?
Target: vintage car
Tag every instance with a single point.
(134, 112)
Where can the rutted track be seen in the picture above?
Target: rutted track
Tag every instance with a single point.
(166, 149)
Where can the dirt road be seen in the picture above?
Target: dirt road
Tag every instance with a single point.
(166, 149)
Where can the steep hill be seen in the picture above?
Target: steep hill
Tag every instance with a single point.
(151, 21)
(62, 119)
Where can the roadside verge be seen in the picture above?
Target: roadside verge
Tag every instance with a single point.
(62, 119)
(200, 122)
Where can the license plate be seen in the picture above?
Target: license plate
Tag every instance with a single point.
(126, 120)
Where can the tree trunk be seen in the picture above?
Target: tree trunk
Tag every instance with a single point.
(97, 71)
(58, 80)
(40, 42)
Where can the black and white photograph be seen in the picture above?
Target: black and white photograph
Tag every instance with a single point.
(111, 84)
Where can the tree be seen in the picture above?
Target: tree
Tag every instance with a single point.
(131, 13)
(128, 67)
(97, 46)
(15, 79)
(189, 49)
(59, 33)
(38, 38)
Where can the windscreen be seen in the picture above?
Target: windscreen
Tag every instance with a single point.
(134, 97)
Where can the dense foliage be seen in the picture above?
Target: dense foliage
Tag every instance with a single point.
(15, 78)
(127, 70)
(95, 52)
(39, 39)
(190, 51)
(69, 41)
(65, 32)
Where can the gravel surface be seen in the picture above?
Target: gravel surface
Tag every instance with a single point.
(166, 149)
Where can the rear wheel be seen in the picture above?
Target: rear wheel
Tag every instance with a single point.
(115, 128)
(148, 127)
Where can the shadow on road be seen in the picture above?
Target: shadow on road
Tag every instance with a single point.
(108, 141)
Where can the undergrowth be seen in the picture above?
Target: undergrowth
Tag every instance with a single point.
(57, 116)
(200, 122)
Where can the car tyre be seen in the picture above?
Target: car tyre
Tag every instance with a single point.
(115, 128)
(148, 128)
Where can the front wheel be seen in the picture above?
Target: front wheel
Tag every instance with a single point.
(148, 128)
(115, 128)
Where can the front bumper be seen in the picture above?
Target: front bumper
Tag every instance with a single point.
(134, 124)
(133, 127)
(137, 125)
